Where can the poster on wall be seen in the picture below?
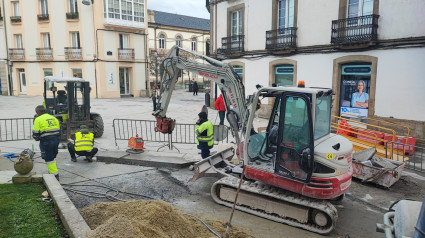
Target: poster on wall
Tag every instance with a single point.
(355, 88)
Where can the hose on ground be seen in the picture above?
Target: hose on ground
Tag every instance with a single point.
(199, 219)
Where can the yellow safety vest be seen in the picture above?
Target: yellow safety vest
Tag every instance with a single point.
(83, 142)
(45, 125)
(209, 138)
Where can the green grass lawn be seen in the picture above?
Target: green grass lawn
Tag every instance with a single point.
(24, 214)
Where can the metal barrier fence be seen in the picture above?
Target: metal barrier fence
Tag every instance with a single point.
(124, 129)
(412, 156)
(15, 129)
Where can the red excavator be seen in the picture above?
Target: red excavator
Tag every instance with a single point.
(293, 169)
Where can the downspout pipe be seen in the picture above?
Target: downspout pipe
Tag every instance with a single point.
(8, 62)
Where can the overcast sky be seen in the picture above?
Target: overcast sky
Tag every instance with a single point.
(193, 8)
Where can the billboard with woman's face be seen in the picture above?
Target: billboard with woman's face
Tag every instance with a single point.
(355, 86)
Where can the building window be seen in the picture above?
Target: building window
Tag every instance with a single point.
(47, 72)
(179, 41)
(357, 8)
(16, 11)
(285, 14)
(75, 39)
(284, 75)
(236, 23)
(18, 40)
(124, 41)
(73, 6)
(207, 47)
(194, 44)
(162, 41)
(78, 73)
(128, 10)
(43, 8)
(45, 37)
(238, 70)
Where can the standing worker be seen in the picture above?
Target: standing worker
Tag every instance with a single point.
(83, 145)
(219, 105)
(195, 88)
(155, 96)
(46, 129)
(204, 134)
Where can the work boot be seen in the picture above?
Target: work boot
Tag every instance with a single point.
(57, 177)
(73, 159)
(89, 159)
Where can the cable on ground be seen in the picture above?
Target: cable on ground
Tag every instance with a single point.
(199, 219)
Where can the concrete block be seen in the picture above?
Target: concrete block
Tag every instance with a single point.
(20, 179)
(37, 178)
(72, 220)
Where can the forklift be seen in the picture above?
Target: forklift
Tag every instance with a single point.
(70, 104)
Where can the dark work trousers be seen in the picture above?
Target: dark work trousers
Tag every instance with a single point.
(72, 152)
(221, 114)
(205, 153)
(154, 103)
(49, 147)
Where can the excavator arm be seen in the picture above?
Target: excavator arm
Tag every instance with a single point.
(221, 73)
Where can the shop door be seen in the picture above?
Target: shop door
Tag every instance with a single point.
(22, 81)
(124, 81)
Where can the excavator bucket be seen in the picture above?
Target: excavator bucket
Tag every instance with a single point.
(213, 166)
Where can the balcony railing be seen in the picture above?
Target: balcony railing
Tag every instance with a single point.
(72, 15)
(73, 53)
(43, 17)
(232, 44)
(284, 38)
(44, 53)
(355, 30)
(16, 53)
(126, 54)
(15, 19)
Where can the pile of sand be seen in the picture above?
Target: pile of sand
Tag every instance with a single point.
(149, 219)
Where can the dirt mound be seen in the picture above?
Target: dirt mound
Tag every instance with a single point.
(149, 219)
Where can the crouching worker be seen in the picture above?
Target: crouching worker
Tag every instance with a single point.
(83, 145)
(46, 129)
(204, 134)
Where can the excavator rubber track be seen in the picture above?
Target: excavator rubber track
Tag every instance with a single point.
(275, 204)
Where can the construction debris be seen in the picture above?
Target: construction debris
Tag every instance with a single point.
(153, 218)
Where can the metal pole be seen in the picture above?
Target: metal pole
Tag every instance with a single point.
(234, 204)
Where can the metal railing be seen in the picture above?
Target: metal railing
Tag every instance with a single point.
(355, 29)
(44, 53)
(73, 53)
(283, 38)
(15, 19)
(16, 129)
(232, 44)
(72, 15)
(16, 53)
(125, 54)
(43, 17)
(124, 129)
(412, 156)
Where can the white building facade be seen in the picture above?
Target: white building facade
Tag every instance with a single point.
(104, 42)
(330, 43)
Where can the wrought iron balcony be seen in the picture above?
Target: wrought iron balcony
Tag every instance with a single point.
(284, 38)
(44, 53)
(355, 30)
(126, 54)
(15, 19)
(16, 53)
(73, 53)
(232, 44)
(72, 15)
(43, 17)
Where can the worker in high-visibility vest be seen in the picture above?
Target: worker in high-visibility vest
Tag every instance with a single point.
(46, 129)
(204, 134)
(83, 145)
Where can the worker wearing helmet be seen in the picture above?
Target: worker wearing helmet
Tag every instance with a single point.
(83, 145)
(46, 129)
(204, 134)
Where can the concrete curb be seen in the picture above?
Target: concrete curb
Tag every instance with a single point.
(71, 218)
